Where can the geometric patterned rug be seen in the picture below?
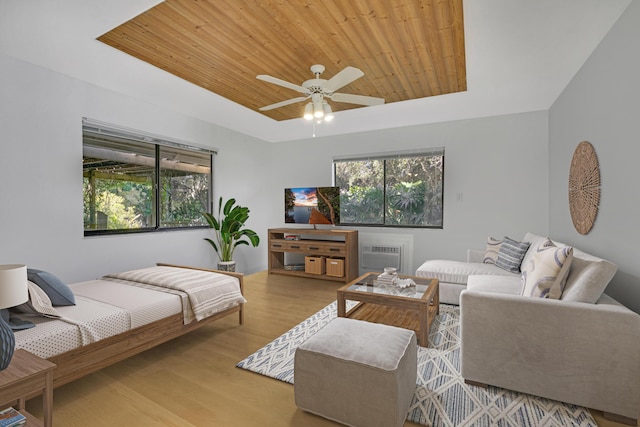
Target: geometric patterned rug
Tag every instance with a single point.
(442, 398)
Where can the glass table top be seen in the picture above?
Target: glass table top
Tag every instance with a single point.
(370, 284)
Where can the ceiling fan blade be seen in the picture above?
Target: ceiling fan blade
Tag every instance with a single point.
(356, 99)
(343, 78)
(283, 103)
(282, 83)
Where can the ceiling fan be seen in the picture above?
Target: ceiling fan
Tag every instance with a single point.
(318, 89)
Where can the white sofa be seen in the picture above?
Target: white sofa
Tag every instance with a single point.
(583, 348)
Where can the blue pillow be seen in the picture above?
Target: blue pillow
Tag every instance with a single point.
(57, 291)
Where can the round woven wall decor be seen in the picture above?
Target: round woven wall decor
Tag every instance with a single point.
(584, 187)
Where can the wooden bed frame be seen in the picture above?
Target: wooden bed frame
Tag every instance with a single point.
(87, 359)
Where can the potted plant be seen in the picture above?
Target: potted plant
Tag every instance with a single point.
(229, 232)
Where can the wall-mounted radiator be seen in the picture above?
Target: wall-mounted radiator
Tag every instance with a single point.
(376, 257)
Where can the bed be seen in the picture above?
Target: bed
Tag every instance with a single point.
(118, 316)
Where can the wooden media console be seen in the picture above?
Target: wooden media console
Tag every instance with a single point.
(327, 244)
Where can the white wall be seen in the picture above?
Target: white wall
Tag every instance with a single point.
(495, 177)
(601, 106)
(41, 187)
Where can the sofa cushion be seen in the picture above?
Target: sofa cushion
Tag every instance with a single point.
(448, 271)
(545, 275)
(511, 254)
(491, 254)
(588, 275)
(588, 278)
(500, 284)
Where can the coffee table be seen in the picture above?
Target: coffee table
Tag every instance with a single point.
(411, 308)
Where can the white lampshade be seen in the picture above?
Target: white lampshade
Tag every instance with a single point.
(13, 285)
(318, 111)
(308, 111)
(328, 114)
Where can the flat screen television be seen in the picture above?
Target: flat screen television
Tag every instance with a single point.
(312, 205)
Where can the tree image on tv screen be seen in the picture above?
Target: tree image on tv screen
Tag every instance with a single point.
(312, 205)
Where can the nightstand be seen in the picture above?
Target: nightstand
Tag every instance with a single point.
(27, 376)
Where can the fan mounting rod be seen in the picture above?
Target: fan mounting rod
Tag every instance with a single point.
(317, 69)
(315, 85)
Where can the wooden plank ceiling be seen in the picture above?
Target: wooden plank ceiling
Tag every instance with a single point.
(407, 48)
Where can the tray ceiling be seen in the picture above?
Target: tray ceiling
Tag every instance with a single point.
(407, 49)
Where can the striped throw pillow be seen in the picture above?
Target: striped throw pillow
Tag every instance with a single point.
(511, 254)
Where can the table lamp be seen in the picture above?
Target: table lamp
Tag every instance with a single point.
(13, 291)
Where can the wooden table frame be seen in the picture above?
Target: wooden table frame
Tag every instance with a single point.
(28, 375)
(426, 307)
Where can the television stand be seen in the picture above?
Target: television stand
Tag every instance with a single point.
(333, 243)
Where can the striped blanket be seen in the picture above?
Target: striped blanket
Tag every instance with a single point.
(203, 293)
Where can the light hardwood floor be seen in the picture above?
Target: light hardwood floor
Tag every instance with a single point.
(193, 381)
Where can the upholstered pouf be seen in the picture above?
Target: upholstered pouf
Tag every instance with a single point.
(357, 373)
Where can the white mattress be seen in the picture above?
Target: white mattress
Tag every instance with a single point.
(49, 337)
(103, 309)
(144, 305)
(84, 323)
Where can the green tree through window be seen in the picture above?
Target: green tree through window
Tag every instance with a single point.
(130, 184)
(403, 190)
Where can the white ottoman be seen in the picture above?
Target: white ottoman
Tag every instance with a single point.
(357, 373)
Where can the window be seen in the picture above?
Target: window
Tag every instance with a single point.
(134, 182)
(395, 190)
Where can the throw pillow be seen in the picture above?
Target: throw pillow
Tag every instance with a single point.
(57, 291)
(588, 279)
(545, 274)
(491, 254)
(511, 254)
(39, 303)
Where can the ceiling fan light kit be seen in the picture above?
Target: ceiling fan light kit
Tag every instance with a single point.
(318, 90)
(318, 109)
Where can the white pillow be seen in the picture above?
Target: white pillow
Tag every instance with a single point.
(491, 254)
(39, 302)
(545, 274)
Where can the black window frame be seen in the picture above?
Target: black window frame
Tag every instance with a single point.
(150, 143)
(439, 151)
